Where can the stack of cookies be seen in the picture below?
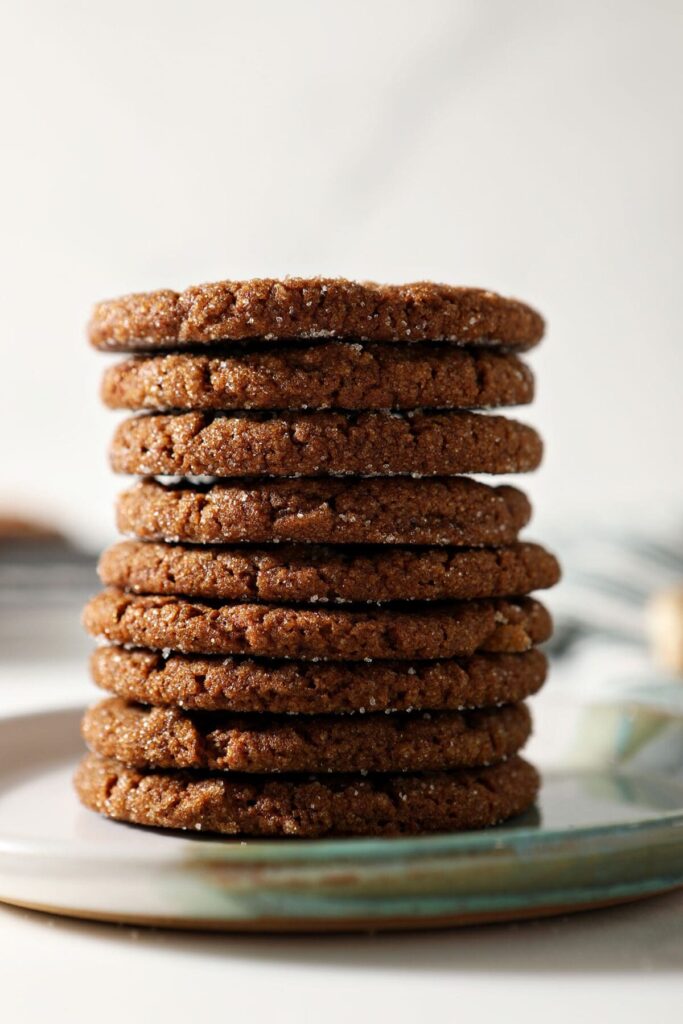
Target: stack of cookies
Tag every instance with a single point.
(321, 624)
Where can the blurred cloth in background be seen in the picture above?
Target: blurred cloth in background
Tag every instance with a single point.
(44, 581)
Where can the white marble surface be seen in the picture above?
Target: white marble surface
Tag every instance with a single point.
(617, 967)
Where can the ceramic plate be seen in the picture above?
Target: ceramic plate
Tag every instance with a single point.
(607, 831)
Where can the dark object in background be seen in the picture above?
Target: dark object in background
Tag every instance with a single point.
(44, 579)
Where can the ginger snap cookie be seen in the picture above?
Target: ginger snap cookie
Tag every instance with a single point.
(314, 443)
(448, 630)
(212, 683)
(422, 741)
(310, 573)
(456, 511)
(329, 375)
(308, 807)
(320, 625)
(308, 308)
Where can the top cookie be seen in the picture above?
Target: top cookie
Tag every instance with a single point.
(295, 308)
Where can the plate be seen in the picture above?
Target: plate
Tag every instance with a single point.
(608, 828)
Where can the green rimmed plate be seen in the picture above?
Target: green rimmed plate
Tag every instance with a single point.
(608, 829)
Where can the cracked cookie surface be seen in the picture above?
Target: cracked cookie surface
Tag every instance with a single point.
(315, 443)
(443, 630)
(330, 375)
(295, 308)
(143, 737)
(205, 683)
(310, 573)
(399, 510)
(308, 807)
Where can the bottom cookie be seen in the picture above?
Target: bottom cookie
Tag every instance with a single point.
(308, 807)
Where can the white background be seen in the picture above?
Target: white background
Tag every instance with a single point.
(531, 147)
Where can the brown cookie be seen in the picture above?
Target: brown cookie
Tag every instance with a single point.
(296, 308)
(319, 443)
(307, 572)
(144, 737)
(331, 375)
(456, 629)
(374, 805)
(201, 683)
(456, 511)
